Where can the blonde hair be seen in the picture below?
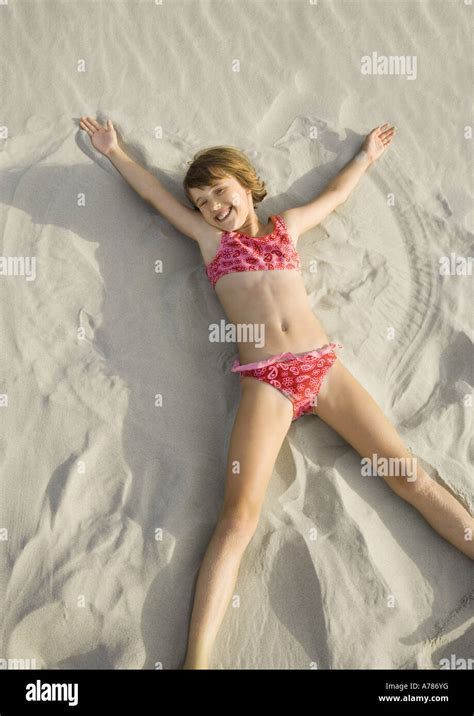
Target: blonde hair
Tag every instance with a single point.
(210, 165)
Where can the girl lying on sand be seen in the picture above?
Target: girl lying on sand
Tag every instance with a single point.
(255, 270)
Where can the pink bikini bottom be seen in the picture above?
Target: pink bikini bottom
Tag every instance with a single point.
(298, 376)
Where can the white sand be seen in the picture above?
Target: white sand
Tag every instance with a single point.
(90, 468)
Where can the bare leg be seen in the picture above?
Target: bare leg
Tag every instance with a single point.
(214, 589)
(348, 408)
(261, 423)
(443, 512)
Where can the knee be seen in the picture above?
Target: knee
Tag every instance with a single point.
(411, 487)
(239, 521)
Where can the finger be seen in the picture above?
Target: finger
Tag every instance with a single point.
(95, 124)
(378, 130)
(88, 125)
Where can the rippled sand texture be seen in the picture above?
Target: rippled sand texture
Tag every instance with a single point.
(107, 501)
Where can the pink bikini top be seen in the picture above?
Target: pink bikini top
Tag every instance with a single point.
(239, 252)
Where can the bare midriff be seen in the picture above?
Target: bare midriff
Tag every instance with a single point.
(276, 300)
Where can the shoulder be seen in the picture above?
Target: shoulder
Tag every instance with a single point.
(207, 237)
(289, 219)
(204, 232)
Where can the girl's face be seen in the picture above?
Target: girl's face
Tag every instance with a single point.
(225, 204)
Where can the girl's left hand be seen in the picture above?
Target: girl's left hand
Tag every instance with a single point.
(378, 140)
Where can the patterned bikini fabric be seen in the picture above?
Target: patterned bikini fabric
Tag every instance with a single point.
(239, 252)
(297, 376)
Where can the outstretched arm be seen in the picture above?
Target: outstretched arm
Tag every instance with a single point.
(104, 139)
(303, 218)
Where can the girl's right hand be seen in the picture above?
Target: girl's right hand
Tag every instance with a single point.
(103, 137)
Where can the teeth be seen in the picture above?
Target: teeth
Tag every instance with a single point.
(221, 217)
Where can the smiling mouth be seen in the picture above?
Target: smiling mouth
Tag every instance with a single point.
(226, 215)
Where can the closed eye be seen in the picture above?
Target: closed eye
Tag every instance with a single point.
(219, 191)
